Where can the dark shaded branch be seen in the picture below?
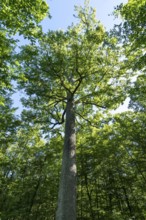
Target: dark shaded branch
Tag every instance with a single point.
(59, 97)
(79, 83)
(62, 84)
(56, 102)
(85, 119)
(60, 122)
(58, 75)
(93, 93)
(92, 103)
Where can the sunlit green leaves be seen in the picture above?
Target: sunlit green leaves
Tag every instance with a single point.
(138, 94)
(134, 31)
(20, 15)
(83, 61)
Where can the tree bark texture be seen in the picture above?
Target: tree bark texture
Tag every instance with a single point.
(67, 190)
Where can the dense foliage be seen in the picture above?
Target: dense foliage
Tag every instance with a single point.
(97, 71)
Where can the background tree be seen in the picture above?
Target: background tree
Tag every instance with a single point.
(134, 31)
(21, 16)
(29, 179)
(17, 17)
(111, 164)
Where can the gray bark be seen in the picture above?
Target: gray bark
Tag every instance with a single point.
(67, 190)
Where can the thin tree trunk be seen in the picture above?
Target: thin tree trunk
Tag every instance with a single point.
(89, 197)
(67, 190)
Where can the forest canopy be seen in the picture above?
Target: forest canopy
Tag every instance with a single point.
(69, 155)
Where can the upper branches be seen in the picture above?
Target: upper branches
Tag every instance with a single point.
(74, 62)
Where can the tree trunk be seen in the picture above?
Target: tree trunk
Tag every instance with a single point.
(67, 190)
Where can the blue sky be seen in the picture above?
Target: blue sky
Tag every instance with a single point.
(62, 12)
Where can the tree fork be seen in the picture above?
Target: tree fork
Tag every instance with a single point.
(67, 190)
